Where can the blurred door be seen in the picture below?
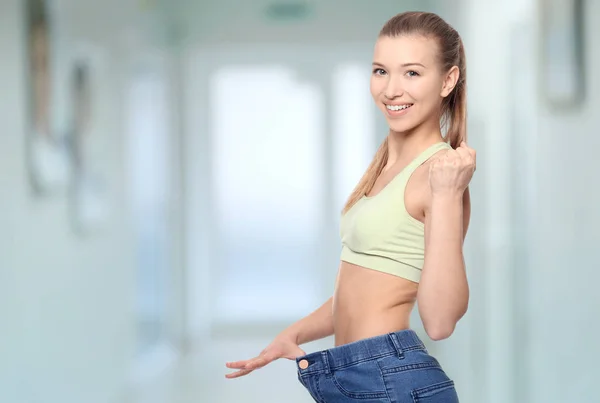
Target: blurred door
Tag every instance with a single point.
(268, 191)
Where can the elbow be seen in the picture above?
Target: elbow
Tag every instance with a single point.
(440, 327)
(440, 320)
(439, 331)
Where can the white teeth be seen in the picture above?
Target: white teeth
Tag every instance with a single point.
(398, 107)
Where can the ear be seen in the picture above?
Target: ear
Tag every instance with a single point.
(450, 81)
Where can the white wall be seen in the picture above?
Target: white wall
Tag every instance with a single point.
(563, 283)
(66, 301)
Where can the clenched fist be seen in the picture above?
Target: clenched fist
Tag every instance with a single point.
(452, 171)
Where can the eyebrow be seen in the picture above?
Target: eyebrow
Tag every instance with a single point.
(402, 65)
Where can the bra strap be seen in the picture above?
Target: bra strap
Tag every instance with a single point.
(424, 156)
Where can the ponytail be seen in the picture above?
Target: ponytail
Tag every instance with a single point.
(454, 108)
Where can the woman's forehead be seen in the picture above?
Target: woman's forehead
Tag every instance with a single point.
(405, 49)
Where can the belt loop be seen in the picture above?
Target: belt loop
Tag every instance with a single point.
(396, 344)
(325, 356)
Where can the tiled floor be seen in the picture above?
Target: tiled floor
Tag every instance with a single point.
(200, 378)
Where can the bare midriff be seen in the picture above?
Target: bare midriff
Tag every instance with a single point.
(369, 303)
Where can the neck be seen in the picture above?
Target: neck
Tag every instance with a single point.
(406, 145)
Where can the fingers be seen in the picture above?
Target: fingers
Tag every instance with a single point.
(467, 154)
(258, 362)
(241, 365)
(238, 374)
(288, 350)
(465, 148)
(247, 366)
(237, 364)
(460, 159)
(251, 364)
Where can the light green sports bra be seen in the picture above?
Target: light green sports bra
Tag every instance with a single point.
(378, 233)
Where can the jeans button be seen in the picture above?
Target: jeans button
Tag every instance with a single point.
(303, 364)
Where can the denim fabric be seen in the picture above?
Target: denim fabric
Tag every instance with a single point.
(392, 368)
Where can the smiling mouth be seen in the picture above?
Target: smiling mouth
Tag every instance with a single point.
(396, 108)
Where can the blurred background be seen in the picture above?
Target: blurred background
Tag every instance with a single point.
(172, 174)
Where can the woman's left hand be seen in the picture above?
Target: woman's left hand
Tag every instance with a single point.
(452, 171)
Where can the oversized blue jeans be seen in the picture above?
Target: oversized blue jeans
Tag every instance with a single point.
(392, 368)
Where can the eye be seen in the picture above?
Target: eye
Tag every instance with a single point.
(412, 73)
(379, 72)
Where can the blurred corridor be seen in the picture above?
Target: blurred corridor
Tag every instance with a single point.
(162, 160)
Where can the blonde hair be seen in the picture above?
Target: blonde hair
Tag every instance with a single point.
(454, 106)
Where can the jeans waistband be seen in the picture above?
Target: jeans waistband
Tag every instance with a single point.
(396, 343)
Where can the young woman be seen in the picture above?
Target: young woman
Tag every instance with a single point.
(402, 233)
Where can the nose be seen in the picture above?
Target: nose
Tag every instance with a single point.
(393, 89)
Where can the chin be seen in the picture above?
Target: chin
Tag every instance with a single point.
(400, 127)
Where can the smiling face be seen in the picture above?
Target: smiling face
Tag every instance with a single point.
(407, 83)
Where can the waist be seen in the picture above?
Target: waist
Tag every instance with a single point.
(393, 343)
(367, 303)
(363, 322)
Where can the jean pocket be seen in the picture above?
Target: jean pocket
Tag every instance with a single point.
(361, 381)
(442, 392)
